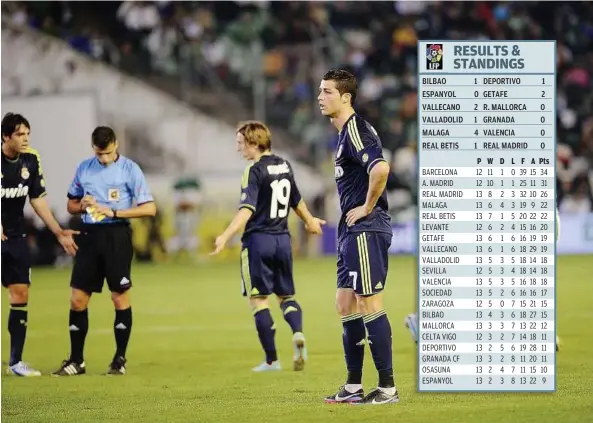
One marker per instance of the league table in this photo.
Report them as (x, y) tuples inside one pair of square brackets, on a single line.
[(486, 216)]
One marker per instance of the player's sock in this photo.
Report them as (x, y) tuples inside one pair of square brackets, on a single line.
[(122, 328), (17, 327), (78, 326), (354, 340), (379, 340), (266, 331), (293, 314)]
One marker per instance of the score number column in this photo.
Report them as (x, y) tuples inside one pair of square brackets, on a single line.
[(486, 270)]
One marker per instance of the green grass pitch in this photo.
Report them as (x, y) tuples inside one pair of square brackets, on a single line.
[(194, 342)]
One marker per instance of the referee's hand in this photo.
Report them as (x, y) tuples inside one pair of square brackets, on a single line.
[(65, 238), (87, 201)]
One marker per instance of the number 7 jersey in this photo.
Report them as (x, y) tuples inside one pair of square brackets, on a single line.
[(269, 190)]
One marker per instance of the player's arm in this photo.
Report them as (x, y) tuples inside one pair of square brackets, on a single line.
[(312, 223), (377, 181), (42, 209), (37, 199), (237, 224), (37, 195), (249, 192)]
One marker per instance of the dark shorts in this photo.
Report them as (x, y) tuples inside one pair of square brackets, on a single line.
[(266, 265), (363, 261), (104, 252), (16, 262)]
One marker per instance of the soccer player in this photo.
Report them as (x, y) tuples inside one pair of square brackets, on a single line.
[(108, 190), (268, 192), (364, 237), (22, 177)]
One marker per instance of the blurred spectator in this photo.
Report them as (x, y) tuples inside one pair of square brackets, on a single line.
[(578, 199), (139, 16)]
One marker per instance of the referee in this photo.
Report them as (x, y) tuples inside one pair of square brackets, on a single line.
[(107, 190)]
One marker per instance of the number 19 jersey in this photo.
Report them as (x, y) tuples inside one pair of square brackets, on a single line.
[(269, 190)]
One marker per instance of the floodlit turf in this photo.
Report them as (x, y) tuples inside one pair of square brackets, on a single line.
[(194, 342)]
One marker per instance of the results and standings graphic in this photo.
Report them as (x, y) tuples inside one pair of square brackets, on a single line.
[(487, 124)]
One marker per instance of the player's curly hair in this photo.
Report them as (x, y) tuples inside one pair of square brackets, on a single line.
[(345, 82), (256, 133)]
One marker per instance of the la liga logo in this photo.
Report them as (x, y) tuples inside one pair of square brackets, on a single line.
[(434, 57)]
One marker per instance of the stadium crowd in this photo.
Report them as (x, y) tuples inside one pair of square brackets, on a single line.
[(299, 40)]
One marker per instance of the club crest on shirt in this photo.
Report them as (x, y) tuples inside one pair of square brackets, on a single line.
[(25, 173), (339, 153), (365, 158), (113, 194)]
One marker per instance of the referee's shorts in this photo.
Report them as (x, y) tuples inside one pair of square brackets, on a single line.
[(104, 252)]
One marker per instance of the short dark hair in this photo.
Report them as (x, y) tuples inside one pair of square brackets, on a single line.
[(345, 82), (103, 136), (11, 121)]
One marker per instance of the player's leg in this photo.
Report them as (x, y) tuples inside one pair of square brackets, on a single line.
[(16, 277), (372, 250), (258, 281), (122, 329), (266, 331), (291, 310), (354, 332), (86, 278), (18, 295), (293, 315), (78, 326), (118, 261), (411, 322)]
